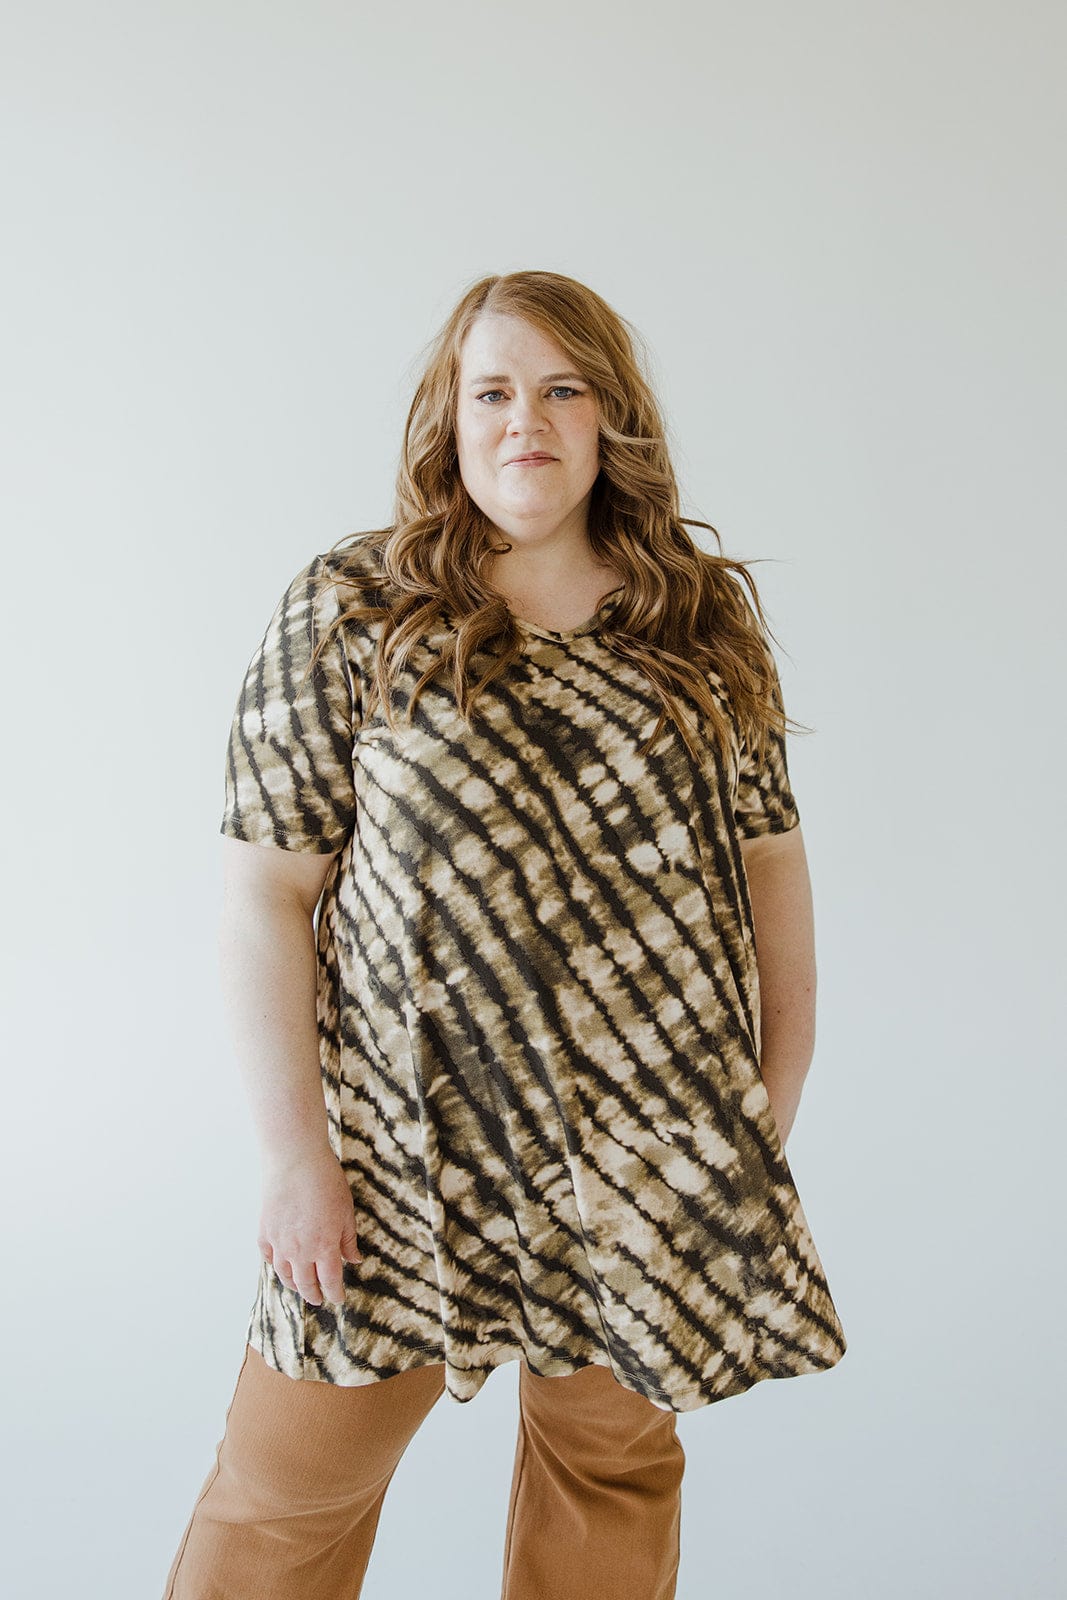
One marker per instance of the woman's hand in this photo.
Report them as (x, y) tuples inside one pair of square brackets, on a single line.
[(307, 1228)]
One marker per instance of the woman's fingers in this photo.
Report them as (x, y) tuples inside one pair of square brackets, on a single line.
[(317, 1280), (331, 1277), (306, 1281), (308, 1228)]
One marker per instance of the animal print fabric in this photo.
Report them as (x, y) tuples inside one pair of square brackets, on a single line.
[(538, 1010)]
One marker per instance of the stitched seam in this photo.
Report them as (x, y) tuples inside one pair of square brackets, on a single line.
[(211, 1479)]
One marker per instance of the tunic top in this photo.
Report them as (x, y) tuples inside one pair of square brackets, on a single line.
[(538, 1011)]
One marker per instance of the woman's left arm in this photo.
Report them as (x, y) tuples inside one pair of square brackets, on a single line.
[(783, 916)]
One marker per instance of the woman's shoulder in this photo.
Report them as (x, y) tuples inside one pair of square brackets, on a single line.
[(357, 552), (357, 558)]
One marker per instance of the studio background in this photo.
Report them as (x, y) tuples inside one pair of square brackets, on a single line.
[(230, 232)]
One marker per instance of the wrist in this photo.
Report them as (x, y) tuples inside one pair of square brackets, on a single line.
[(295, 1150)]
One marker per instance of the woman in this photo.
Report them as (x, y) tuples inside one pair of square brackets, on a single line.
[(523, 752)]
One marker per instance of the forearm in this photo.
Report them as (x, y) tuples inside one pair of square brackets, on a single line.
[(787, 1035), (268, 971), (785, 956)]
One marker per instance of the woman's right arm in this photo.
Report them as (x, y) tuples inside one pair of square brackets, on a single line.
[(268, 970)]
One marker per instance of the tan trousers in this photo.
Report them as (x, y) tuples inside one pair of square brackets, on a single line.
[(291, 1506)]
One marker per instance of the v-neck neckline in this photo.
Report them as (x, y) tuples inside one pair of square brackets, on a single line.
[(605, 607)]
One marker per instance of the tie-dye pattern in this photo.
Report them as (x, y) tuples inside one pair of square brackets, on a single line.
[(538, 1011)]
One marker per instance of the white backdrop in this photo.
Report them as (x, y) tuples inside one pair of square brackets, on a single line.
[(230, 230)]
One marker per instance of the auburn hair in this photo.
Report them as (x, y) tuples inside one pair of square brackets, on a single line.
[(682, 612)]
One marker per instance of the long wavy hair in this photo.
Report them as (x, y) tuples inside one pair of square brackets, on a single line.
[(682, 613)]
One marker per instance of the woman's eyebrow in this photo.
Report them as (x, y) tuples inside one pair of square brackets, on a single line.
[(502, 377)]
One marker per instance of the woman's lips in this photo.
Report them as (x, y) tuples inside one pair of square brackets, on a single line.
[(532, 461)]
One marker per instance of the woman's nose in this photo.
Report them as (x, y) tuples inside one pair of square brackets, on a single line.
[(524, 410)]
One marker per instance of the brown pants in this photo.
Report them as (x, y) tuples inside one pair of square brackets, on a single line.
[(290, 1508)]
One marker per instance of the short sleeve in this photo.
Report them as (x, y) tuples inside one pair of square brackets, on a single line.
[(765, 802), (289, 780)]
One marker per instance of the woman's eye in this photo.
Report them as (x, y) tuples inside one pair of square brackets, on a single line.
[(559, 388)]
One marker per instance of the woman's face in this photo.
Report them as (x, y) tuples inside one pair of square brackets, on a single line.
[(519, 395)]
